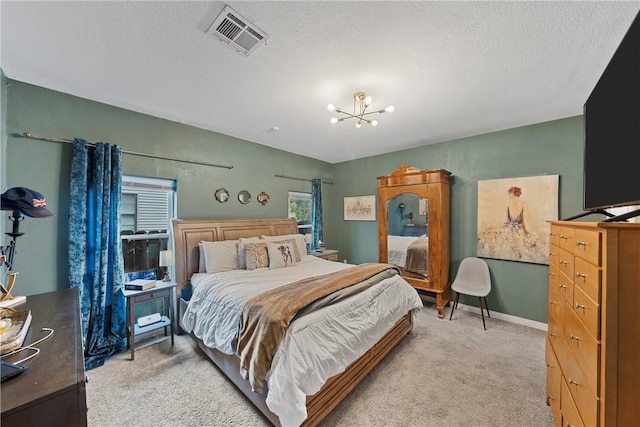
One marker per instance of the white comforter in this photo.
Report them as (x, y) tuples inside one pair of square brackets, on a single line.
[(317, 345)]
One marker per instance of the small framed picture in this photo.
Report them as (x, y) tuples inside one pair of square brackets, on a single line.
[(360, 208)]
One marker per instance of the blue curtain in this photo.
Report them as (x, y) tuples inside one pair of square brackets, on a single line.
[(316, 213), (95, 249)]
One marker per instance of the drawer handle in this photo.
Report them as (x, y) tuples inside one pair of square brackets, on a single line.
[(561, 286), (552, 273), (552, 253), (562, 236), (569, 425), (574, 337), (572, 382), (550, 366), (553, 234), (552, 334), (581, 306), (579, 275), (564, 262), (581, 244), (552, 302)]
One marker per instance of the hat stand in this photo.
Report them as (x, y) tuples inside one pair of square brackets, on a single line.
[(8, 252)]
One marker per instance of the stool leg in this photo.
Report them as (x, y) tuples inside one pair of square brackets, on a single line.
[(455, 304), (482, 313)]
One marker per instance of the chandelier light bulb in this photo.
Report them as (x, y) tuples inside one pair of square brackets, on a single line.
[(367, 100), (333, 120), (331, 107), (358, 125), (374, 123), (390, 109)]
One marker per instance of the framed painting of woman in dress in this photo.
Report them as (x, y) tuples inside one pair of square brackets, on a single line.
[(513, 215)]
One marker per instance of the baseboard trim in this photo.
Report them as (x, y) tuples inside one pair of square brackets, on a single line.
[(497, 315)]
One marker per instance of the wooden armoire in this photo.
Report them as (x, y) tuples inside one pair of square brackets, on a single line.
[(432, 189)]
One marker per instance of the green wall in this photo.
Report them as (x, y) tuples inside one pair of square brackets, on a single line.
[(42, 258), (519, 289)]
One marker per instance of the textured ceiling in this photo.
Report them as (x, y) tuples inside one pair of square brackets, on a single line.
[(452, 69)]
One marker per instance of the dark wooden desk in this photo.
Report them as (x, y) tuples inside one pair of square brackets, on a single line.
[(52, 391)]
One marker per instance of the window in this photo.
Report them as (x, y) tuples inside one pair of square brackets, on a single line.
[(147, 206), (300, 209)]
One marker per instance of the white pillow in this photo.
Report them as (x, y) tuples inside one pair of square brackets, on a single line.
[(242, 260), (299, 239), (221, 255), (202, 267), (281, 255)]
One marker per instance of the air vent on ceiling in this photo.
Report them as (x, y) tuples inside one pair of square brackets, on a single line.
[(237, 32)]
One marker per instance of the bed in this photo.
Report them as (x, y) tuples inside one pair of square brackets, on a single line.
[(285, 396), (410, 253)]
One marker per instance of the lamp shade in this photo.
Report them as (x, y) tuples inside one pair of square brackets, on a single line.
[(166, 258)]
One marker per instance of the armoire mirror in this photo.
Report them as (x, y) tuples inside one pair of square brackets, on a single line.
[(413, 228)]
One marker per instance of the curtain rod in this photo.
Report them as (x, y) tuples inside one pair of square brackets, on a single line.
[(132, 153), (300, 179)]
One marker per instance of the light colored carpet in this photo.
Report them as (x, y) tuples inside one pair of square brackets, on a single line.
[(445, 373)]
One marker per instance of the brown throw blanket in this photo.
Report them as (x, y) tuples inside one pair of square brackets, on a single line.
[(418, 256), (267, 316)]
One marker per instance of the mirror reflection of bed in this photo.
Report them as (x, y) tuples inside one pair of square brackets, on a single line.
[(407, 238)]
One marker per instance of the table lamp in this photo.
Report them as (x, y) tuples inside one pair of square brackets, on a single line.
[(166, 259)]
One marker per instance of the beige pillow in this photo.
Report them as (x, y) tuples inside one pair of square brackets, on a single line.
[(241, 253), (281, 254), (256, 255)]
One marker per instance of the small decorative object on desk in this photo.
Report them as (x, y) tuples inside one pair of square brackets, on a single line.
[(139, 285), (14, 326)]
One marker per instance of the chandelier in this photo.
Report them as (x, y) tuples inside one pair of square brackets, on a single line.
[(360, 104)]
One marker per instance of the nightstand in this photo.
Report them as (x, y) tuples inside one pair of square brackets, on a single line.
[(162, 290), (328, 254)]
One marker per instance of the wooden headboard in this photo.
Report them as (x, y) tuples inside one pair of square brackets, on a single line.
[(187, 233)]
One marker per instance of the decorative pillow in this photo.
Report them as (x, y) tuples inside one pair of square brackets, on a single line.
[(221, 255), (294, 247), (242, 263), (256, 255), (281, 254), (298, 238)]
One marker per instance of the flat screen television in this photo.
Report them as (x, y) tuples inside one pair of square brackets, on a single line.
[(612, 130)]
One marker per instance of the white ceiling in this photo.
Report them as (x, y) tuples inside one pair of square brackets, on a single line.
[(452, 69)]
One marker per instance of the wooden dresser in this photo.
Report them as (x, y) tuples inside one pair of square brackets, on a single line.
[(52, 391), (593, 339)]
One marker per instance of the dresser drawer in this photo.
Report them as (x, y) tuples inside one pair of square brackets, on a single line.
[(556, 309), (585, 349), (565, 264), (554, 254), (588, 277), (565, 239), (570, 416), (588, 245), (554, 382), (587, 311), (584, 400), (554, 235)]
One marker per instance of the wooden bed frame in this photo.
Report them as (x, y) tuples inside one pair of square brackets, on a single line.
[(188, 233)]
